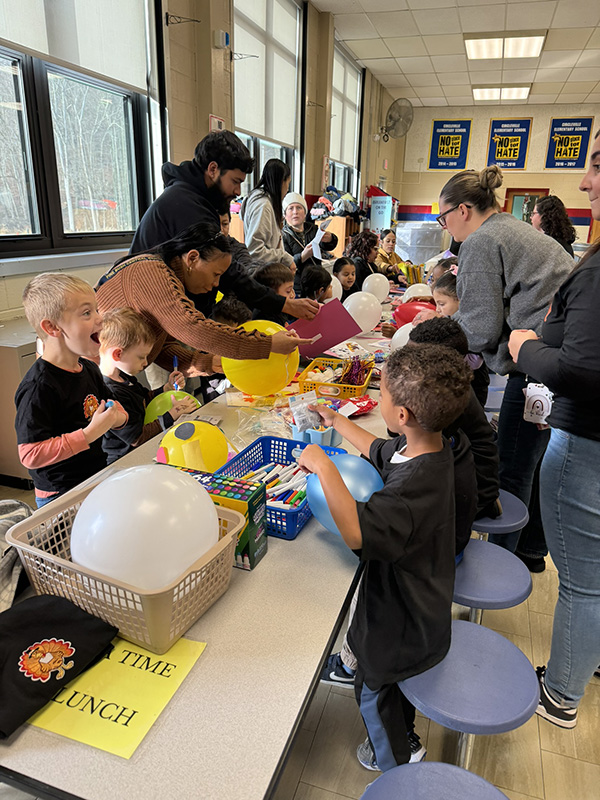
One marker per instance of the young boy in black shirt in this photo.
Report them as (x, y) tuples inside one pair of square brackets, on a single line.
[(405, 536), (62, 412), (125, 343)]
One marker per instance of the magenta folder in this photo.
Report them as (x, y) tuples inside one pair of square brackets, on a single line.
[(333, 324)]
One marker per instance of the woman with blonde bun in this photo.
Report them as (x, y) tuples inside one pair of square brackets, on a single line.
[(507, 276)]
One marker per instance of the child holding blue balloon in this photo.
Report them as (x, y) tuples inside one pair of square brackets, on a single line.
[(126, 340), (404, 535)]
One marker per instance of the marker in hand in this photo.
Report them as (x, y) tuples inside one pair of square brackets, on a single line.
[(175, 367), (109, 404)]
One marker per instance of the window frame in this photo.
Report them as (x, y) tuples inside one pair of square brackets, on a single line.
[(287, 154), (353, 174), (52, 237)]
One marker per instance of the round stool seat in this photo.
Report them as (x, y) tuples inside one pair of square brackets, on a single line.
[(431, 781), (490, 577), (514, 516), (484, 685)]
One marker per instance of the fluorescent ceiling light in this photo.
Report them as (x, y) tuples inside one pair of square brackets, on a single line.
[(484, 48), (515, 93), (491, 93), (523, 46)]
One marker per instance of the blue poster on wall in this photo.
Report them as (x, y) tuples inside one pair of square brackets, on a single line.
[(568, 142), (509, 143), (449, 147)]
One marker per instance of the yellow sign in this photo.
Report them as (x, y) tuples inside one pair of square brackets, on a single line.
[(567, 147), (449, 146), (113, 705), (507, 147)]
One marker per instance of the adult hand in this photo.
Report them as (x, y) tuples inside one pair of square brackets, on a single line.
[(286, 342), (326, 237), (217, 364), (301, 308), (516, 341), (307, 252), (428, 313)]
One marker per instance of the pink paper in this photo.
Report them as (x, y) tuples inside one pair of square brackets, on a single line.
[(334, 325)]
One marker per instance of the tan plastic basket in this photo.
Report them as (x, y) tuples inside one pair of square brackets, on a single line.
[(152, 619)]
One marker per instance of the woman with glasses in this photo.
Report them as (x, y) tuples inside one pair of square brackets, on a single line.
[(155, 285), (507, 276)]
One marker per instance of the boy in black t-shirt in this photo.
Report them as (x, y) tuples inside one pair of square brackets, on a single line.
[(405, 536), (61, 409), (125, 343)]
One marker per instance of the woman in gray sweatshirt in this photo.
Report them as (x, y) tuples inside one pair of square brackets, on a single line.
[(507, 275)]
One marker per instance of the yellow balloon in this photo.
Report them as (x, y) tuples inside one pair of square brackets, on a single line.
[(263, 375), (194, 445)]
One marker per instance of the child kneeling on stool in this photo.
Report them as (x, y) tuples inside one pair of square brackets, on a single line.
[(404, 535)]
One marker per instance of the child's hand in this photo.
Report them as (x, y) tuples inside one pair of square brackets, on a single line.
[(181, 407), (388, 329), (326, 413), (313, 458), (175, 377), (103, 420)]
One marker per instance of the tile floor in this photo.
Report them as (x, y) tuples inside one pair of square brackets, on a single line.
[(538, 761)]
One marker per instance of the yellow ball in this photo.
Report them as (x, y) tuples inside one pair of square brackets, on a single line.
[(194, 445), (263, 375)]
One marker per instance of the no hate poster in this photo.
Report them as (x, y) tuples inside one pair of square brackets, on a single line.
[(113, 705), (568, 142), (449, 147), (509, 143)]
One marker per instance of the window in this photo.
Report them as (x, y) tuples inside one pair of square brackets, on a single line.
[(345, 114), (262, 150)]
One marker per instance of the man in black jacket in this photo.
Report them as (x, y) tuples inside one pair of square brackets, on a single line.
[(199, 191)]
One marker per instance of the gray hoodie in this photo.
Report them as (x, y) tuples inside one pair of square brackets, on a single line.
[(508, 274), (262, 234)]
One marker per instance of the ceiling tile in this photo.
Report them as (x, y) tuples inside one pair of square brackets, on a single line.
[(406, 46), (566, 39), (560, 58), (381, 66), (589, 58), (427, 91), (514, 76), (431, 21), (369, 48), (594, 40), (337, 6), (521, 63), (479, 2), (483, 64), (394, 23), (449, 63), (406, 91), (578, 87), (446, 45), (513, 102), (383, 5), (477, 19), (592, 98), (394, 81), (584, 74), (546, 88), (530, 16), (416, 102), (571, 98), (457, 91), (552, 75), (455, 79), (417, 64), (463, 100), (434, 101), (486, 102), (535, 99), (423, 79), (431, 3), (489, 76), (576, 14), (354, 26)]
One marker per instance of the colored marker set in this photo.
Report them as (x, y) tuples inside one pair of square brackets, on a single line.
[(285, 484)]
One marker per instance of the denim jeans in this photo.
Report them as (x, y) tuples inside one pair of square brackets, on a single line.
[(570, 500), (43, 501), (520, 447)]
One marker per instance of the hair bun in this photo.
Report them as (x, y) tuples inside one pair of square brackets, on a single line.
[(490, 177)]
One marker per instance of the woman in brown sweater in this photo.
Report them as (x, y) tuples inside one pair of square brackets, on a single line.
[(154, 284)]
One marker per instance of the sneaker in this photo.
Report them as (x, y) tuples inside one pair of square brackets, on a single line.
[(417, 751), (366, 756), (335, 673), (551, 710), (533, 563), (597, 673)]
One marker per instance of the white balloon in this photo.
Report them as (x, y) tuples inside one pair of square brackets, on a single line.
[(377, 285), (365, 308), (400, 338), (336, 289), (417, 290), (144, 526)]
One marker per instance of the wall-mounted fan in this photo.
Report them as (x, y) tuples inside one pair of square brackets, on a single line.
[(398, 119)]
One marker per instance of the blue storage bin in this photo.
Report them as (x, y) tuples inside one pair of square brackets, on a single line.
[(327, 438), (267, 449)]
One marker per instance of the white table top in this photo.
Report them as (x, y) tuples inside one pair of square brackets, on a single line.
[(226, 732)]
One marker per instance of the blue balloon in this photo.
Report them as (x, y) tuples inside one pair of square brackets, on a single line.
[(360, 477)]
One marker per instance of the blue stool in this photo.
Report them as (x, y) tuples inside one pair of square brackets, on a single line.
[(484, 685), (490, 577), (514, 517), (431, 781)]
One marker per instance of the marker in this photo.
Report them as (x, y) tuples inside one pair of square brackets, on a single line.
[(109, 404), (175, 367)]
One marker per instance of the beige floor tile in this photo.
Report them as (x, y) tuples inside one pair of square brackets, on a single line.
[(24, 495), (545, 592), (306, 792), (294, 766), (541, 637), (568, 779), (583, 742), (522, 642), (508, 620), (511, 760), (442, 744), (332, 763), (313, 715), (515, 795)]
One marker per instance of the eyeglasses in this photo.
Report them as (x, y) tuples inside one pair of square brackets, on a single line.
[(441, 220)]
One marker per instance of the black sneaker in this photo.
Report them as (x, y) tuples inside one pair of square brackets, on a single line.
[(335, 672), (417, 751), (551, 710)]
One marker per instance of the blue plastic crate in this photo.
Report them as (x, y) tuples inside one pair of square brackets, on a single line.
[(267, 449)]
